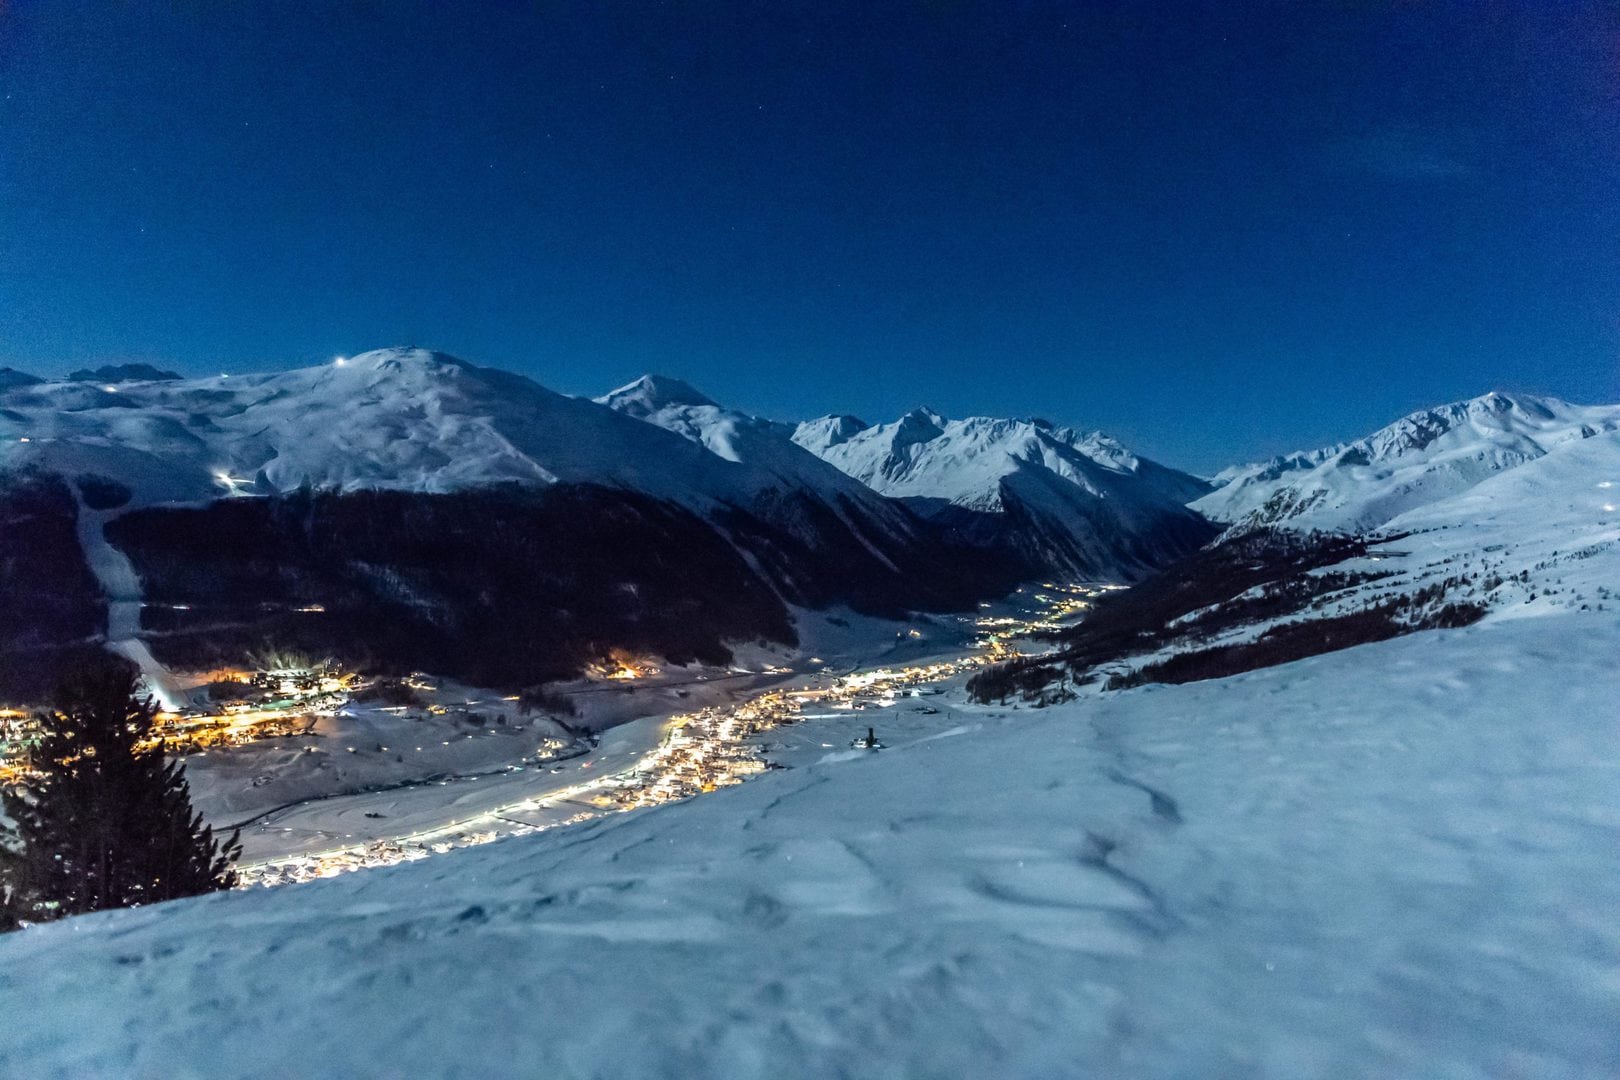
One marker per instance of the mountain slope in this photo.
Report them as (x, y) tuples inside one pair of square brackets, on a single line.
[(1541, 538), (252, 508), (1261, 876), (395, 419), (1420, 459), (1071, 502), (763, 445), (839, 527)]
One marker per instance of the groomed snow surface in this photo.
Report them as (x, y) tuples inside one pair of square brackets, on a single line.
[(1398, 860)]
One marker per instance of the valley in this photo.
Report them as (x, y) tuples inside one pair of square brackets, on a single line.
[(709, 687), (622, 765), (828, 541)]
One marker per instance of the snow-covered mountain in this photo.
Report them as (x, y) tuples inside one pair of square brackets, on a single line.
[(407, 495), (925, 455), (1073, 501), (764, 445), (392, 419), (1420, 459)]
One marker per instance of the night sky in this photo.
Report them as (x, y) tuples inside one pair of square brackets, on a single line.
[(1216, 233)]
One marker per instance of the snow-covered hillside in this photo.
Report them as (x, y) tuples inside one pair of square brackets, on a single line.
[(399, 419), (1420, 459), (1397, 859), (1400, 860), (1080, 502), (1539, 539), (428, 509)]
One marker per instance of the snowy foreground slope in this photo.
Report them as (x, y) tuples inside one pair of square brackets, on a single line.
[(1398, 860)]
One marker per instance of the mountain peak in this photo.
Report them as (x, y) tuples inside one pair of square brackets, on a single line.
[(828, 431), (400, 358), (117, 373), (650, 393), (1424, 456), (10, 378), (925, 414), (920, 425)]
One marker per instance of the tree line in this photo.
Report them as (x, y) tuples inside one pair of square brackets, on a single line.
[(104, 820)]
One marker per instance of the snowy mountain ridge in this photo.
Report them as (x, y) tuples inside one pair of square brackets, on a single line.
[(1420, 459), (765, 445), (652, 393), (925, 455), (393, 419), (1077, 500)]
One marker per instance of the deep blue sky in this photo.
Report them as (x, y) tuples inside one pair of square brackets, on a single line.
[(1214, 232)]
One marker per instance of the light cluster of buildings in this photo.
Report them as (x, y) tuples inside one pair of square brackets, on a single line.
[(281, 702), (1059, 605), (705, 750), (715, 747)]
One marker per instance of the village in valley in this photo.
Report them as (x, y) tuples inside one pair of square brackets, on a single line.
[(552, 765)]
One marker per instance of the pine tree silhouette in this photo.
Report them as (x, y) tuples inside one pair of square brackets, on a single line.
[(109, 822)]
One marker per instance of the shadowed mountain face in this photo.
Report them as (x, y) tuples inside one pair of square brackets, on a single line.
[(406, 510), (501, 587), (52, 612), (122, 373)]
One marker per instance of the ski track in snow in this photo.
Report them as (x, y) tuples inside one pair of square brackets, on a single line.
[(122, 586)]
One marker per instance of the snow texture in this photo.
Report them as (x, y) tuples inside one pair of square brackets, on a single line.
[(1397, 860), (403, 419), (965, 462)]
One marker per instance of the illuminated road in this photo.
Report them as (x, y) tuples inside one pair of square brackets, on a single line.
[(408, 813)]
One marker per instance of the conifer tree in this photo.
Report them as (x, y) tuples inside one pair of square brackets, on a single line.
[(107, 822)]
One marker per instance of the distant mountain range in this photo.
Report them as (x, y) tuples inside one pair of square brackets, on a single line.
[(407, 509), (1080, 504), (1422, 458)]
